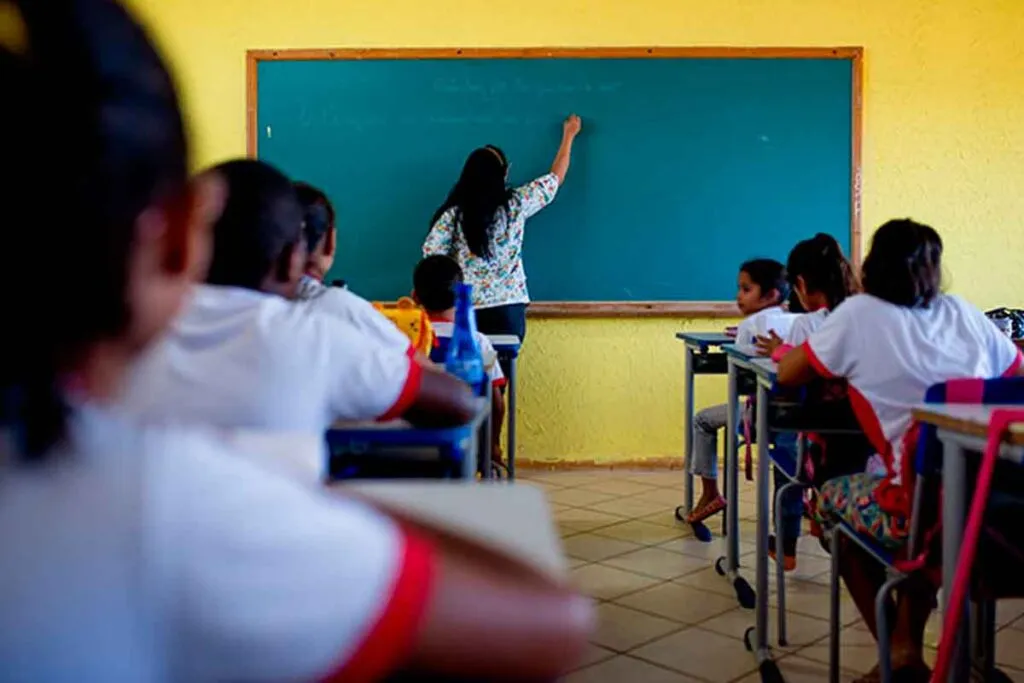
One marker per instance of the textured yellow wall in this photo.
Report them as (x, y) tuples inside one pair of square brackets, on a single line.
[(943, 142)]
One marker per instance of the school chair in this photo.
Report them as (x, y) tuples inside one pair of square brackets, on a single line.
[(927, 469)]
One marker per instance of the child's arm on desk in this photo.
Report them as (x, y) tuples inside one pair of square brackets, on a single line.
[(487, 623)]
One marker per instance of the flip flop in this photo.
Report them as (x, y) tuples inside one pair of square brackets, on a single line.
[(702, 513)]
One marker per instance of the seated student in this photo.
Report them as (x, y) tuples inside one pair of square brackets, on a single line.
[(321, 237), (890, 344), (821, 278), (142, 553), (242, 355), (761, 291), (434, 283)]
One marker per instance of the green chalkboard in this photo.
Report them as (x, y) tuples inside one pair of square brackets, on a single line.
[(686, 166)]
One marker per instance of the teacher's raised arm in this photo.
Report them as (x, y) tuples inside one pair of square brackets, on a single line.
[(481, 224)]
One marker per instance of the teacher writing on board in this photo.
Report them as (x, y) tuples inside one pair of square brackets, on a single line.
[(481, 226)]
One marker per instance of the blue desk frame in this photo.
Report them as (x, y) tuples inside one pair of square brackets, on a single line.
[(460, 444)]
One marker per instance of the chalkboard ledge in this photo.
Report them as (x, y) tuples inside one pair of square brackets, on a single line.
[(633, 309)]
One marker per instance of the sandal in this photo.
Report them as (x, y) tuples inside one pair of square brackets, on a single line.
[(705, 511)]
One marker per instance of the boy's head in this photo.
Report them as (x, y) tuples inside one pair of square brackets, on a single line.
[(434, 283), (318, 229), (762, 284), (258, 241), (904, 266)]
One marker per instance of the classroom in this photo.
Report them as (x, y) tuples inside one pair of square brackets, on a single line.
[(791, 124)]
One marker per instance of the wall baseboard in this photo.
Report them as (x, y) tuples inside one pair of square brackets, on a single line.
[(664, 463)]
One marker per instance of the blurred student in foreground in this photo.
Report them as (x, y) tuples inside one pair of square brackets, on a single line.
[(140, 553), (243, 354)]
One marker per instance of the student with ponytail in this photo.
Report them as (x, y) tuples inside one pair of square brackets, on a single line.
[(821, 278), (148, 553)]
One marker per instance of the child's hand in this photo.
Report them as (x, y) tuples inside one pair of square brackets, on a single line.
[(766, 345)]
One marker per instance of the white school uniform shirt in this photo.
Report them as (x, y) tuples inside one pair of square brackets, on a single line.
[(890, 355), (238, 358), (443, 330), (354, 310), (153, 555), (804, 324), (760, 323)]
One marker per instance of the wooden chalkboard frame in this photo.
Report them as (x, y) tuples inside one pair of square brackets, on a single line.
[(599, 309)]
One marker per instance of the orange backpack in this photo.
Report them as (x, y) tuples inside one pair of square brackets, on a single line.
[(412, 321)]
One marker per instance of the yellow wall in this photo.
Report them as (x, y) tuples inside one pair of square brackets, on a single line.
[(943, 142)]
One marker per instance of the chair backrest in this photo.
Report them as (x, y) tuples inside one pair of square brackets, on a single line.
[(971, 391)]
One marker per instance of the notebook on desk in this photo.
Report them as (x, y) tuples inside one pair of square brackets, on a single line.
[(513, 523)]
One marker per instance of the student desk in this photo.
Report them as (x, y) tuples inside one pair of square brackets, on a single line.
[(962, 429), (699, 360), (460, 444), (775, 414), (507, 346)]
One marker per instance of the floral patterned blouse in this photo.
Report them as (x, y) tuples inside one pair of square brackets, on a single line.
[(500, 280)]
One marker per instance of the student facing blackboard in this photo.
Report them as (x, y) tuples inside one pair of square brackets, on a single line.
[(481, 226)]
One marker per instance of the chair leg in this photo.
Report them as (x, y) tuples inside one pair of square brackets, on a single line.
[(983, 636), (725, 487), (882, 602), (833, 610)]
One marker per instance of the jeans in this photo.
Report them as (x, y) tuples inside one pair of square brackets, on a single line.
[(785, 451), (704, 458), (508, 319)]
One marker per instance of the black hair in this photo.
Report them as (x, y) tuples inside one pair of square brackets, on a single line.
[(260, 226), (95, 135), (477, 196), (434, 282), (768, 274), (794, 305), (824, 268), (317, 214), (904, 266)]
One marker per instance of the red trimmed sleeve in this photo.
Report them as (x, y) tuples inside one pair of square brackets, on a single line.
[(410, 352), (1015, 365), (389, 642), (815, 362), (500, 382), (408, 394)]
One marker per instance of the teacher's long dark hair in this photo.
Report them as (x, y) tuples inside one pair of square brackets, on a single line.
[(477, 196)]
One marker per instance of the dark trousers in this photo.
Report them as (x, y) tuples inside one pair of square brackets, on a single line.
[(508, 319)]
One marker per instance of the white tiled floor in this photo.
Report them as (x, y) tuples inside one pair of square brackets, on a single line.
[(667, 617)]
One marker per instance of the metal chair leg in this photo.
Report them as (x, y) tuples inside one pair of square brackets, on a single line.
[(882, 602), (833, 610)]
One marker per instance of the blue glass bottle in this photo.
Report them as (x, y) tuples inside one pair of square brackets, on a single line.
[(464, 359)]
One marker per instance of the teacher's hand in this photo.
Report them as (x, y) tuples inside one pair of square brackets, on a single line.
[(572, 126)]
